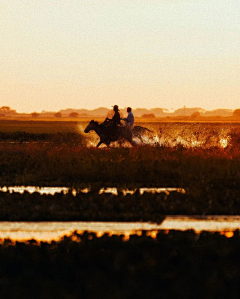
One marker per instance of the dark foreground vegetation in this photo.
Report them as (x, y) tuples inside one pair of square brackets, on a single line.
[(109, 207), (82, 207), (174, 265)]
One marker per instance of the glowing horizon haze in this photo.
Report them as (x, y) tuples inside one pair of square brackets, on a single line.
[(58, 54)]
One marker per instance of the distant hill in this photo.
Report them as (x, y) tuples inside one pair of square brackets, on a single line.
[(102, 112), (138, 112), (187, 111), (218, 112), (158, 112)]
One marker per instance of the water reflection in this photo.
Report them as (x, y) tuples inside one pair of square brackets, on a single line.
[(65, 190), (47, 231), (32, 189)]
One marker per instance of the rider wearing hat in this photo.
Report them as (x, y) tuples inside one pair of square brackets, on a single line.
[(116, 117), (113, 123)]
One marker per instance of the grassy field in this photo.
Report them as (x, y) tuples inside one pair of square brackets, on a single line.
[(41, 164), (38, 126), (203, 159)]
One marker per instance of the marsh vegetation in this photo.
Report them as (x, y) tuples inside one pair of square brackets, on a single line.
[(45, 155), (201, 158)]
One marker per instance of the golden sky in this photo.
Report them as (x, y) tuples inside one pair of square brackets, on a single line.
[(57, 54)]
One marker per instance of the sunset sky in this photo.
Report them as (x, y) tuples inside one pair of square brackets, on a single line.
[(58, 54)]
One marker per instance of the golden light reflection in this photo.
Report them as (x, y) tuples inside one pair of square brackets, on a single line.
[(75, 238), (224, 142), (99, 234), (196, 143), (151, 140), (152, 234), (228, 234), (48, 231), (65, 190), (126, 236)]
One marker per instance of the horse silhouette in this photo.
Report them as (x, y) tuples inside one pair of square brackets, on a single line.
[(109, 133)]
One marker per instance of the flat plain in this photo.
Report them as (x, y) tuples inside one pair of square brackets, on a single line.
[(202, 159)]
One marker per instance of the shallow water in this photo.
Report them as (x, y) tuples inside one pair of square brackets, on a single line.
[(47, 231), (53, 190), (31, 189), (186, 134)]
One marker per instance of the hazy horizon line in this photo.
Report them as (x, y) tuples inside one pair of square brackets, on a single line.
[(164, 110)]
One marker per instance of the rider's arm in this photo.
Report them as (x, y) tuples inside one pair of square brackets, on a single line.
[(127, 119)]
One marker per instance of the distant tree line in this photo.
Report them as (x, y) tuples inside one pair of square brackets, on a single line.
[(5, 110), (148, 115), (192, 113)]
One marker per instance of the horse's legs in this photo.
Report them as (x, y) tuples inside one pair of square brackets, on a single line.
[(130, 140), (128, 136), (133, 143), (105, 142)]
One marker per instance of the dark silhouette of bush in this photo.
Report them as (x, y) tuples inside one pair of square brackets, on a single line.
[(148, 115), (195, 115), (35, 114), (58, 115), (74, 114), (236, 113), (6, 110)]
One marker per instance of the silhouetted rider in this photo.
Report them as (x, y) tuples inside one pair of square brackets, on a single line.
[(116, 117), (115, 121), (129, 120)]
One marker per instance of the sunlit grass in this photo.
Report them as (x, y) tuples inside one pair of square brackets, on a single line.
[(190, 156)]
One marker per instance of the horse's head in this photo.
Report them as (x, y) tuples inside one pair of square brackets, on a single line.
[(91, 126)]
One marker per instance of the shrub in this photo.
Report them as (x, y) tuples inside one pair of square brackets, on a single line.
[(236, 113)]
